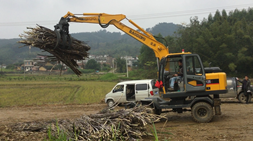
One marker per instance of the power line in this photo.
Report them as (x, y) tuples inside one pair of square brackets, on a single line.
[(194, 10), (172, 15), (137, 17)]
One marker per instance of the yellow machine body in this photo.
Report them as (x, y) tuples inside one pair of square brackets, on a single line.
[(216, 81)]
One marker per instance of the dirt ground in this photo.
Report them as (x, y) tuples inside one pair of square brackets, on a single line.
[(235, 123)]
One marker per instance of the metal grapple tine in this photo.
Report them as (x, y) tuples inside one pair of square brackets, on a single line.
[(64, 40), (70, 42), (62, 34), (58, 35)]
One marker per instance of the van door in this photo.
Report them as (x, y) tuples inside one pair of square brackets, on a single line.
[(118, 93), (141, 91)]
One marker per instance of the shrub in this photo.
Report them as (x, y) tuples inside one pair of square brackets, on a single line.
[(109, 77)]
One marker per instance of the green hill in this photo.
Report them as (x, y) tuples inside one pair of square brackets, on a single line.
[(12, 52), (101, 42)]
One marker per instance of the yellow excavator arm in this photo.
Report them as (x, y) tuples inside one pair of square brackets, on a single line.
[(104, 20)]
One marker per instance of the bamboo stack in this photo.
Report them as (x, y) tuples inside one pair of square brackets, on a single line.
[(45, 39), (124, 124)]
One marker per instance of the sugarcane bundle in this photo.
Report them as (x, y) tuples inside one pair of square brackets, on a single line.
[(124, 124), (46, 39)]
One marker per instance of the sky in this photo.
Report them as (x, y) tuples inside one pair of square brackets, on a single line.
[(17, 15)]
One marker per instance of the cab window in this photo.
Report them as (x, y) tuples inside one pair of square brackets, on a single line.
[(118, 88), (193, 66), (172, 65)]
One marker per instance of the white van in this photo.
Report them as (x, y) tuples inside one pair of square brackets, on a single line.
[(129, 91)]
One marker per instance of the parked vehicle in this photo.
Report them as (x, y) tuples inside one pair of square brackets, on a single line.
[(131, 91), (234, 91)]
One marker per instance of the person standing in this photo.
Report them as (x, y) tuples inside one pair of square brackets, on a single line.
[(245, 87)]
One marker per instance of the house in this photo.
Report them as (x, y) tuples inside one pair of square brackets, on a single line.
[(129, 60), (19, 68), (81, 65), (42, 68), (3, 66), (109, 60), (35, 68), (49, 64), (28, 65), (102, 59)]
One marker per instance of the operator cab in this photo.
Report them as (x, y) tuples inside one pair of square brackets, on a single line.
[(181, 73)]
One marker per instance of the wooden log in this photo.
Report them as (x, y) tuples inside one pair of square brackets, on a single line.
[(45, 39)]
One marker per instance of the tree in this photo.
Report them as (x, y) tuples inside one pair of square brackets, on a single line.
[(105, 67), (146, 55), (121, 65), (147, 58), (225, 40), (92, 64)]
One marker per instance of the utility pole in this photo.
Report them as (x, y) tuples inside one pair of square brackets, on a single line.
[(126, 67), (113, 65), (24, 69)]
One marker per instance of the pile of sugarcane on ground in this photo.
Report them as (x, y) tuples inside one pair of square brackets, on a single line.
[(46, 39), (124, 124)]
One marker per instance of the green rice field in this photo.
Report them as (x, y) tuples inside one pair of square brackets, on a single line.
[(20, 93)]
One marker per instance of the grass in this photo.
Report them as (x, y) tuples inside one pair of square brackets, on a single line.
[(19, 93), (30, 89), (43, 77), (109, 77), (155, 132), (65, 77), (6, 70), (59, 136)]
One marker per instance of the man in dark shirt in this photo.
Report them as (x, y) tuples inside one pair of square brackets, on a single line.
[(245, 87)]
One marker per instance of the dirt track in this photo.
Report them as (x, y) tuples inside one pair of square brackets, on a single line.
[(235, 123), (46, 112)]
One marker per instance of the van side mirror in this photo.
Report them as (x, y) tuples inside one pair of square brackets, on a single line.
[(113, 91)]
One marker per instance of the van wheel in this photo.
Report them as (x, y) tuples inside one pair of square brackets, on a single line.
[(110, 103), (242, 98), (202, 112)]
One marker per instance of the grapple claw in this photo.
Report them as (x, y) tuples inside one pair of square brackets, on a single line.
[(62, 33)]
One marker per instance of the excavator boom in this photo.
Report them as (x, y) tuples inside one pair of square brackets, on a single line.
[(104, 20)]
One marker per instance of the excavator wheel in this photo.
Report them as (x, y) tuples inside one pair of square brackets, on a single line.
[(157, 111), (202, 112)]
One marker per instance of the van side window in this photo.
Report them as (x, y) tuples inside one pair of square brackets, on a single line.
[(141, 87), (118, 88)]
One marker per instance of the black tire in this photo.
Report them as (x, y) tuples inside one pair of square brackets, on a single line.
[(250, 97), (242, 98), (158, 111), (110, 103), (202, 112)]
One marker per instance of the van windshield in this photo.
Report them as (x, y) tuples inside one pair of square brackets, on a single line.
[(118, 88)]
